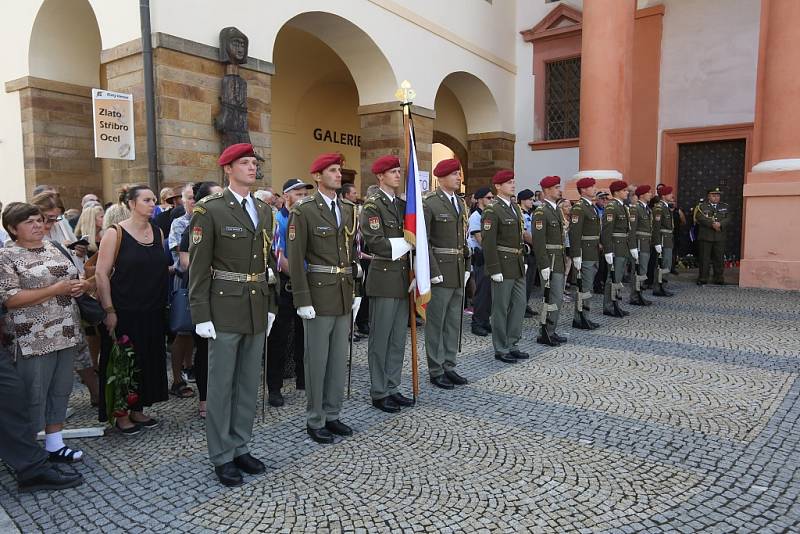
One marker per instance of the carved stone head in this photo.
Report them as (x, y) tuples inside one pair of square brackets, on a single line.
[(232, 46)]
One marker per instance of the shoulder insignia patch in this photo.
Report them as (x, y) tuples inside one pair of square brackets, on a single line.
[(374, 223), (487, 224), (197, 234), (658, 217), (292, 232), (575, 218), (609, 216), (199, 209), (539, 224)]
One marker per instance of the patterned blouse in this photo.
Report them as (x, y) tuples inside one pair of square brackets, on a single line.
[(51, 325)]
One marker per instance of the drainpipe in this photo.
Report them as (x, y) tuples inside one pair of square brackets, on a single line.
[(149, 96)]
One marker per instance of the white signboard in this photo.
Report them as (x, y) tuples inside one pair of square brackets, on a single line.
[(425, 180), (113, 125)]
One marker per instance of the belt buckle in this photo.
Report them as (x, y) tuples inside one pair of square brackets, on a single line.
[(250, 278)]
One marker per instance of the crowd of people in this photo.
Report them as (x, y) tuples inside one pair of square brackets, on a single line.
[(296, 276)]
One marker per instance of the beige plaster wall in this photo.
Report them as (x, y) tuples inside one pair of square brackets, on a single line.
[(449, 117)]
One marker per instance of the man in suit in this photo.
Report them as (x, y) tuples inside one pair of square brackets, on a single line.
[(446, 223), (323, 266), (232, 299), (387, 285)]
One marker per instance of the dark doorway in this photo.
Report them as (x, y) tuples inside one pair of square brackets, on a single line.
[(702, 166)]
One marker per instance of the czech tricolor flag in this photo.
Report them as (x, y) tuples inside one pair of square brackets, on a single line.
[(414, 226)]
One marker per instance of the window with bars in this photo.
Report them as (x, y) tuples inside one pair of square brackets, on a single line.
[(562, 99)]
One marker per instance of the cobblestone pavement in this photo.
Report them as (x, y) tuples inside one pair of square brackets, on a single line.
[(682, 417)]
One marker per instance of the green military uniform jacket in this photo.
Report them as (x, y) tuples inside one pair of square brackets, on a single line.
[(614, 235), (705, 214), (501, 228), (548, 238), (315, 239), (584, 231), (663, 225), (224, 239), (643, 225), (381, 219), (449, 256)]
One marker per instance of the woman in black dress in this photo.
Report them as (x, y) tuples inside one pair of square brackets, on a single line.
[(134, 298)]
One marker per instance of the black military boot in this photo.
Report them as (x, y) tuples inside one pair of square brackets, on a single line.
[(659, 291), (581, 322)]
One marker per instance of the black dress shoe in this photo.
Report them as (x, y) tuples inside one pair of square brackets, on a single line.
[(505, 358), (275, 399), (442, 382), (338, 428), (229, 475), (386, 404), (363, 330), (479, 331), (250, 465), (50, 479), (609, 313), (519, 355), (719, 283), (320, 435), (560, 339), (456, 378), (550, 342), (593, 324), (701, 283), (402, 400)]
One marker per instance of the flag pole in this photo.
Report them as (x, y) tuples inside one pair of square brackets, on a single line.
[(405, 104)]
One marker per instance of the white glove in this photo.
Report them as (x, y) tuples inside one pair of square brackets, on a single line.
[(497, 277), (437, 279), (635, 253), (206, 330), (356, 306), (270, 321), (546, 274), (577, 262), (306, 312), (525, 271), (609, 258), (359, 271), (659, 248), (466, 277), (413, 285), (271, 276)]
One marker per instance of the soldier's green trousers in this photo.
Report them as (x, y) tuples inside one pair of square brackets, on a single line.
[(712, 255), (325, 361), (388, 324), (508, 311), (641, 269), (557, 283), (234, 375), (619, 270), (588, 272), (442, 322)]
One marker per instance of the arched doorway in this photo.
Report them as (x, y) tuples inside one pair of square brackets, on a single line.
[(324, 67), (64, 64)]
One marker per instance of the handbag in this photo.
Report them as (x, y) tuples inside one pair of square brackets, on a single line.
[(91, 311), (180, 316)]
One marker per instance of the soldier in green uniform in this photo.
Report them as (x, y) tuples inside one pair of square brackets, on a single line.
[(663, 238), (233, 302), (446, 223), (502, 227), (322, 259), (642, 231), (712, 218), (387, 285), (617, 246), (584, 240), (548, 249)]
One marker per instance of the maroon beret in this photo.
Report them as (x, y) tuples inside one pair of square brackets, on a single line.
[(445, 167), (549, 181), (665, 190), (619, 185), (642, 190), (659, 187), (583, 183), (385, 163), (502, 176), (324, 161), (234, 152)]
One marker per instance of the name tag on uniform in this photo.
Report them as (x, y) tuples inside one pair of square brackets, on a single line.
[(324, 228), (234, 229)]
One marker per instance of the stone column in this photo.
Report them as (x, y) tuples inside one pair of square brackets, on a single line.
[(382, 133), (771, 245), (488, 152), (606, 89)]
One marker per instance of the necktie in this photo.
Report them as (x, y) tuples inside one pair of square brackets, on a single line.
[(333, 210), (244, 207), (453, 200)]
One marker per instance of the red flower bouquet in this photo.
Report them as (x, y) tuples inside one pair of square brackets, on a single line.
[(120, 378)]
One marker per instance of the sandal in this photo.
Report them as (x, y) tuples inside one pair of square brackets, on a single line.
[(181, 390), (65, 455)]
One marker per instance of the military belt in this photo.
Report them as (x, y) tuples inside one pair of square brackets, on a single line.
[(509, 249), (665, 231), (554, 247), (643, 234), (451, 251), (617, 234), (238, 277), (381, 258), (590, 237), (329, 269)]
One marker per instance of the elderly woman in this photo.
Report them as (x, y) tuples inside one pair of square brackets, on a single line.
[(38, 286)]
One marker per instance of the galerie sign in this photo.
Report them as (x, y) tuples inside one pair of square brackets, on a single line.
[(341, 138), (113, 125)]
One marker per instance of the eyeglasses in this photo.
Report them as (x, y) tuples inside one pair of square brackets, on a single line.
[(52, 220)]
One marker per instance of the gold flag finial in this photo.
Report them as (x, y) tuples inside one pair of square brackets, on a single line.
[(405, 93)]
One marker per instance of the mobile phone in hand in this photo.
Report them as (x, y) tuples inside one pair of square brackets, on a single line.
[(82, 241)]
